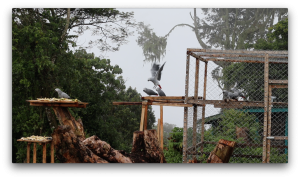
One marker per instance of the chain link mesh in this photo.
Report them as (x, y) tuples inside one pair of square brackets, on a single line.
[(240, 120)]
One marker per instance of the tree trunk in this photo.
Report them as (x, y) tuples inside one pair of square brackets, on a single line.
[(105, 151), (65, 118), (70, 149)]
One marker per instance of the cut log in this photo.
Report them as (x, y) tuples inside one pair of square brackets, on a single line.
[(105, 151), (222, 152), (69, 149), (145, 148)]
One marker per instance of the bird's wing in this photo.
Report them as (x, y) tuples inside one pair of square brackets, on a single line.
[(151, 92), (158, 74), (154, 69)]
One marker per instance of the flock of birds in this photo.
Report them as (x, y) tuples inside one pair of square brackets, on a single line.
[(156, 71)]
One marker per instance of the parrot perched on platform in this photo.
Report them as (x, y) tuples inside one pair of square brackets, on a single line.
[(233, 95), (160, 92), (156, 74), (62, 94), (149, 92)]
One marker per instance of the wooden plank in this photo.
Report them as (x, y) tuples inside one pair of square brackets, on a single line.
[(280, 137), (161, 127), (238, 56), (269, 124), (77, 105), (203, 108), (158, 130), (28, 152), (266, 108), (187, 78), (184, 157), (127, 103), (222, 102), (279, 86), (278, 81), (237, 51), (34, 141), (142, 118), (44, 152), (165, 97), (172, 104), (34, 153), (197, 56), (243, 61), (146, 113), (52, 152)]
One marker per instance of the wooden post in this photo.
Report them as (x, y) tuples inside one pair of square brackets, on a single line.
[(158, 131), (203, 108), (145, 121), (28, 152), (44, 152), (142, 118), (269, 124), (52, 152), (185, 117), (34, 153), (266, 104), (161, 130), (195, 107)]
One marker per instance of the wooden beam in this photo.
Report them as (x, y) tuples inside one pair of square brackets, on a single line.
[(127, 103), (278, 81), (266, 107), (238, 56), (28, 152), (280, 137), (162, 97), (237, 51), (203, 108), (279, 86), (146, 113), (184, 148), (52, 152), (142, 118), (158, 130), (243, 61), (57, 103), (172, 104), (269, 124), (44, 152), (195, 107), (161, 127), (34, 153)]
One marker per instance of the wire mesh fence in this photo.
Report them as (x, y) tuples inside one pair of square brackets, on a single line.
[(233, 105)]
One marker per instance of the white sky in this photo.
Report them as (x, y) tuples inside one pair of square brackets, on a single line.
[(136, 72)]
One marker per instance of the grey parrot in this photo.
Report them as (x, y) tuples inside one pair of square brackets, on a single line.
[(160, 92), (156, 74), (62, 94), (149, 92), (233, 95)]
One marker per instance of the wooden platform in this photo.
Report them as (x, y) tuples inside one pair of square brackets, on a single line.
[(58, 103)]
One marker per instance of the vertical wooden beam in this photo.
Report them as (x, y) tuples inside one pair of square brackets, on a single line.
[(158, 131), (52, 152), (266, 91), (161, 128), (142, 118), (145, 121), (44, 152), (203, 107), (28, 152), (34, 153), (185, 118), (195, 106), (269, 124)]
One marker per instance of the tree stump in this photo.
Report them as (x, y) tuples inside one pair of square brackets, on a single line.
[(222, 152), (69, 149), (105, 151), (145, 148)]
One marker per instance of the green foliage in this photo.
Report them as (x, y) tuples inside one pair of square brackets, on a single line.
[(173, 154)]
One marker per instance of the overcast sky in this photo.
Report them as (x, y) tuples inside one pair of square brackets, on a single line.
[(136, 72)]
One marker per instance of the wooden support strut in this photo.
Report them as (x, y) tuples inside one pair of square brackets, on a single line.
[(161, 130), (195, 107), (266, 108), (184, 157), (203, 108)]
